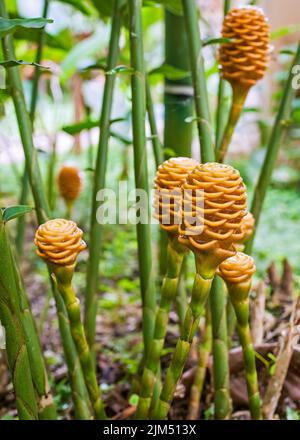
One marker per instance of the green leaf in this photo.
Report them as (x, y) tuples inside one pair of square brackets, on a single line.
[(74, 129), (169, 72), (122, 69), (220, 40), (12, 212), (10, 25), (88, 124), (287, 52), (12, 63), (100, 65), (174, 6), (80, 5), (284, 31)]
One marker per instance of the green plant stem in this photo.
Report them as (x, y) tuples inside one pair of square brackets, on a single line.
[(95, 236), (169, 288), (148, 288), (178, 106), (199, 81), (181, 295), (200, 372), (17, 354), (34, 95), (200, 292), (46, 407), (25, 125), (63, 276), (222, 398), (272, 151), (80, 397), (157, 146), (69, 209), (239, 95), (239, 296), (231, 322), (51, 184), (221, 113), (178, 99), (42, 212)]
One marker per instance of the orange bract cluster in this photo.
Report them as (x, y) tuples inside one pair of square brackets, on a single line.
[(167, 200), (244, 60), (59, 242), (237, 269), (69, 182), (214, 205)]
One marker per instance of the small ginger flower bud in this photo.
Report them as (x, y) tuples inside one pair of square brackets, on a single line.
[(69, 182), (59, 242)]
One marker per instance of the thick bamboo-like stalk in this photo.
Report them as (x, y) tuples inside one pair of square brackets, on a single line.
[(148, 289), (200, 292), (157, 146), (10, 316), (222, 398), (205, 347), (63, 276), (33, 102), (95, 234), (178, 105), (221, 113), (237, 273), (231, 322), (59, 242), (25, 127), (178, 99), (175, 255), (272, 151), (199, 81)]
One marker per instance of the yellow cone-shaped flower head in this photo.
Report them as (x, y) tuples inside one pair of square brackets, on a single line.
[(244, 60), (59, 242), (237, 269), (69, 182), (167, 200), (214, 205)]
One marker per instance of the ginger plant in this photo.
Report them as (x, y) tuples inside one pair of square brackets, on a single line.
[(214, 203), (237, 273), (59, 242)]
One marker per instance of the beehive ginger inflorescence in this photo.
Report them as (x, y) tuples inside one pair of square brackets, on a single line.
[(214, 205), (244, 59)]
